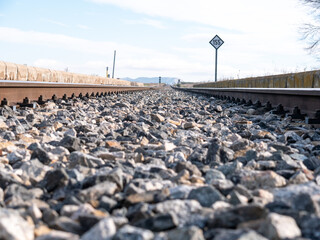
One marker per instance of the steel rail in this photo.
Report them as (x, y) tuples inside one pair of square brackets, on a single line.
[(13, 93), (301, 101)]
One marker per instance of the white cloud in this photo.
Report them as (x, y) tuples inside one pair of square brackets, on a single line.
[(146, 21), (191, 64), (131, 61), (197, 37), (49, 63), (245, 15), (260, 36)]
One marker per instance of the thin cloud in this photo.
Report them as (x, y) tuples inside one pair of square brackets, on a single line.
[(246, 15), (131, 60), (56, 22), (147, 22), (197, 37), (49, 63), (85, 27)]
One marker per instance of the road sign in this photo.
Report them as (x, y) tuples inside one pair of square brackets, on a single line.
[(216, 42)]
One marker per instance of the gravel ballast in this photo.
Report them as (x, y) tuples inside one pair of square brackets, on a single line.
[(159, 164)]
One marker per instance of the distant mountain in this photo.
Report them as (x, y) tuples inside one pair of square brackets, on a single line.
[(167, 80)]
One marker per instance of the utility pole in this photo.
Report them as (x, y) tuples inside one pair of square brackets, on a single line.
[(114, 62)]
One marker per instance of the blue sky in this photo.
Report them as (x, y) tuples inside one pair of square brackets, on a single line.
[(168, 38)]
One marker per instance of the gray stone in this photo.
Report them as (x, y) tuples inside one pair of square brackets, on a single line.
[(191, 168), (49, 216), (180, 192), (213, 155), (55, 179), (121, 105), (58, 235), (206, 195), (35, 213), (284, 161), (232, 217), (278, 226), (42, 155), (237, 198), (70, 132), (16, 156), (34, 169), (98, 190), (103, 230), (300, 197), (68, 225), (213, 175), (230, 168), (310, 227), (281, 146), (1, 195), (71, 143), (159, 222), (239, 144), (292, 137), (157, 117), (263, 179), (312, 163), (239, 234), (17, 195), (107, 203), (78, 158), (128, 232), (218, 108), (183, 209), (190, 233)]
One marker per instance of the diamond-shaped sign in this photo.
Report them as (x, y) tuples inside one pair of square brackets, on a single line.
[(216, 42)]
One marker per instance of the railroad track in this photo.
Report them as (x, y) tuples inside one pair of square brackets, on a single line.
[(300, 103), (25, 93)]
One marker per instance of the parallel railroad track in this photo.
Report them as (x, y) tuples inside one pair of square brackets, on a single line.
[(299, 103), (24, 93)]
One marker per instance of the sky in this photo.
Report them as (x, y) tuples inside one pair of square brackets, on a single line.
[(168, 38)]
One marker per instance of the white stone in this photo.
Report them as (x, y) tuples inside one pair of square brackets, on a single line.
[(131, 232), (14, 227), (168, 146)]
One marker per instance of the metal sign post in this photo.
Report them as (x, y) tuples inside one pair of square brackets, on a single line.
[(114, 62), (216, 42)]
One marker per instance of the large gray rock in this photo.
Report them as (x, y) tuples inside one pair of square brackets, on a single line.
[(13, 226), (58, 235), (206, 195), (95, 192), (263, 179), (78, 158), (128, 232), (190, 233), (161, 222), (278, 226), (232, 217), (238, 234), (103, 230), (71, 143)]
